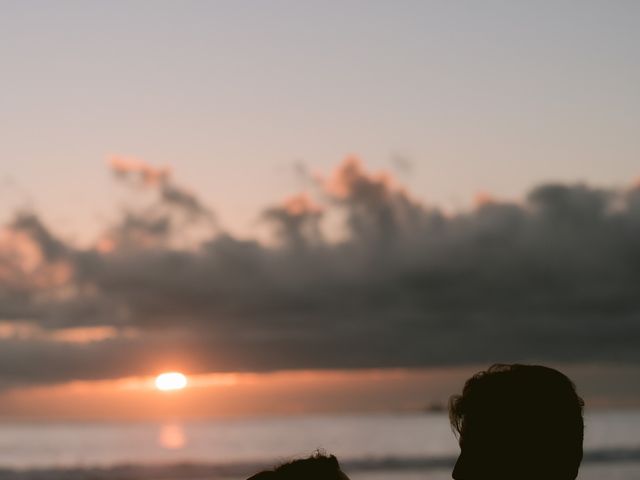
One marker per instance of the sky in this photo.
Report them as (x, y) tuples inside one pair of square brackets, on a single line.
[(249, 188), (491, 97)]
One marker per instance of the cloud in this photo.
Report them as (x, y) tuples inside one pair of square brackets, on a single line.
[(140, 174), (402, 164), (553, 277), (137, 170), (296, 220)]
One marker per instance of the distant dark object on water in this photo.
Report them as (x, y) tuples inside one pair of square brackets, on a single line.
[(435, 407)]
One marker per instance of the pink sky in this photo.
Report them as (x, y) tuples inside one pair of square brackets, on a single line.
[(359, 191)]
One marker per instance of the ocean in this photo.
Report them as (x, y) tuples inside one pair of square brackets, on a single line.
[(369, 447)]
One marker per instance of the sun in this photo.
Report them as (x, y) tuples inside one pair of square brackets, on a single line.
[(171, 381)]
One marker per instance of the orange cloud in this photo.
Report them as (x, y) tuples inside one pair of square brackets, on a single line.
[(25, 330), (483, 198), (87, 334), (23, 264), (301, 204), (147, 174), (351, 174)]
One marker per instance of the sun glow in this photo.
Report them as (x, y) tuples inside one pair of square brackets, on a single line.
[(171, 381)]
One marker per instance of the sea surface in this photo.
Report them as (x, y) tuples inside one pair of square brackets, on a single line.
[(369, 447)]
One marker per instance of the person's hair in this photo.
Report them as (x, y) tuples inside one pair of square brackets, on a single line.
[(529, 409), (316, 467)]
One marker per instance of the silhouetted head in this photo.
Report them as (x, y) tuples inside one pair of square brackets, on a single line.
[(316, 467), (518, 422)]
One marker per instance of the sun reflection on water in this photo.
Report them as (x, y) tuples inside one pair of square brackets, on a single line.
[(172, 436)]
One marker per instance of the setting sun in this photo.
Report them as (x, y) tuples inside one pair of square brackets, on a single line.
[(171, 381)]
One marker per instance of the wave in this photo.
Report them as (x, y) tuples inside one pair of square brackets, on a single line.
[(201, 471)]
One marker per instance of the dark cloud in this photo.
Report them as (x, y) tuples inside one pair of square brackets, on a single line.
[(296, 221), (50, 247), (553, 278), (139, 174)]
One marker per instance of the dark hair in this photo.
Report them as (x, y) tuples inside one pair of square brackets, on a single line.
[(317, 467), (531, 410)]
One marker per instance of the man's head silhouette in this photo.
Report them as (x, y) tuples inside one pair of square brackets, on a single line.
[(518, 421)]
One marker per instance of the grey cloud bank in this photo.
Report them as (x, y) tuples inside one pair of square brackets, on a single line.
[(554, 278)]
